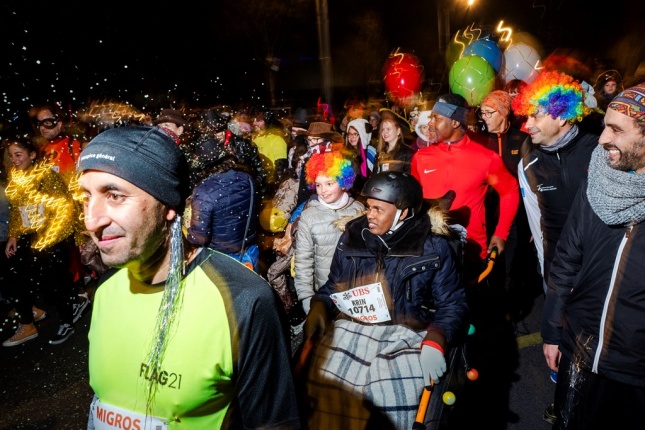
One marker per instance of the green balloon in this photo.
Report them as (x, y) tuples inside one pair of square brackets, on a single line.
[(472, 77)]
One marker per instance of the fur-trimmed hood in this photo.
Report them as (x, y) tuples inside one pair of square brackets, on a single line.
[(438, 221)]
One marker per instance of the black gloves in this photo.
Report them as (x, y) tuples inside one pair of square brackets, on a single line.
[(317, 320)]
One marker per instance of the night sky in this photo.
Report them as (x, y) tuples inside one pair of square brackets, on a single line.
[(154, 54)]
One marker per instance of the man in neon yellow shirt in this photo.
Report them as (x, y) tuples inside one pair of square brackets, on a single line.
[(181, 338)]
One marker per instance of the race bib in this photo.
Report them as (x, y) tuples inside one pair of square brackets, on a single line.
[(108, 417), (32, 215), (365, 303)]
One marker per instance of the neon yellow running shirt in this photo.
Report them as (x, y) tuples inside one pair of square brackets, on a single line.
[(228, 348)]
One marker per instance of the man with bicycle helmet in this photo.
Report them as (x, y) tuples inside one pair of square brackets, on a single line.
[(393, 275)]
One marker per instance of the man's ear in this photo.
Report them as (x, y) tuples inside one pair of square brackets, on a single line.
[(171, 214), (404, 214)]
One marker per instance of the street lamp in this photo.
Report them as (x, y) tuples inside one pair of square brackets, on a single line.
[(443, 21), (324, 48)]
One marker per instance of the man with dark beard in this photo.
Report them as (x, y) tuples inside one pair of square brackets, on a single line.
[(593, 324)]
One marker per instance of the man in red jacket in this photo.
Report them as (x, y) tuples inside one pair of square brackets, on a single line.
[(460, 164)]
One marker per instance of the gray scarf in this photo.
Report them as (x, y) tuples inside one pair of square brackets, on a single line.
[(617, 197), (563, 140)]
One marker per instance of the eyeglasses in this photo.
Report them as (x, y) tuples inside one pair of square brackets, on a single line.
[(486, 114), (48, 123), (315, 140), (352, 134)]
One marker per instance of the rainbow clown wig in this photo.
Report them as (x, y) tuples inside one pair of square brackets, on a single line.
[(336, 164), (553, 93)]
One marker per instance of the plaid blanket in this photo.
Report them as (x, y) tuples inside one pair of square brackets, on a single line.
[(365, 377)]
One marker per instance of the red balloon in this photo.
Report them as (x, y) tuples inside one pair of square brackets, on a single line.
[(403, 77)]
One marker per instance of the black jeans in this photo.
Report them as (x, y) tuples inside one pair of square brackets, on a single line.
[(4, 269), (588, 401), (44, 272)]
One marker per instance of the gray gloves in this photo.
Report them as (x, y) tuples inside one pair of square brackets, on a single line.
[(317, 320), (433, 364)]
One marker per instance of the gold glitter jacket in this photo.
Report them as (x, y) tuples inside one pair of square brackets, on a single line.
[(41, 205)]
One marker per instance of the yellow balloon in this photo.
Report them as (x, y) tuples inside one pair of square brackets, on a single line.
[(453, 53), (449, 398), (273, 219)]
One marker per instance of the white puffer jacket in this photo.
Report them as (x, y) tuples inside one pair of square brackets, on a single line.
[(316, 241)]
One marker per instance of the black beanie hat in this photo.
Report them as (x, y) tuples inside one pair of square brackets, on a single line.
[(144, 156)]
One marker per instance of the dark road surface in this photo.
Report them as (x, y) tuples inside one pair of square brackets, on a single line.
[(44, 386)]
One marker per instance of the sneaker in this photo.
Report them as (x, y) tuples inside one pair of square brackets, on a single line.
[(78, 308), (23, 334), (553, 376), (549, 414), (39, 314), (64, 332)]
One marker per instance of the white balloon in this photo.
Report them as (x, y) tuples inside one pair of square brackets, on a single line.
[(521, 61)]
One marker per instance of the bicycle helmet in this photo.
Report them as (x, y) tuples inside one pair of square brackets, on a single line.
[(399, 188)]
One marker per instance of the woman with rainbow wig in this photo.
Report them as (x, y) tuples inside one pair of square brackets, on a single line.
[(332, 174)]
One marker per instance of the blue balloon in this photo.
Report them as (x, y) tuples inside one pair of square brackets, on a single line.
[(488, 50)]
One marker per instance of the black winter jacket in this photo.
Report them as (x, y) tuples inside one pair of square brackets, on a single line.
[(555, 178), (595, 303), (399, 160), (419, 271), (513, 144)]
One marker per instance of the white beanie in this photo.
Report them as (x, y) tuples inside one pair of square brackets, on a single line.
[(424, 119)]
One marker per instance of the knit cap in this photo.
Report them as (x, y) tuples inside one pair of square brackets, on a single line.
[(498, 100), (144, 156), (631, 102), (171, 115)]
